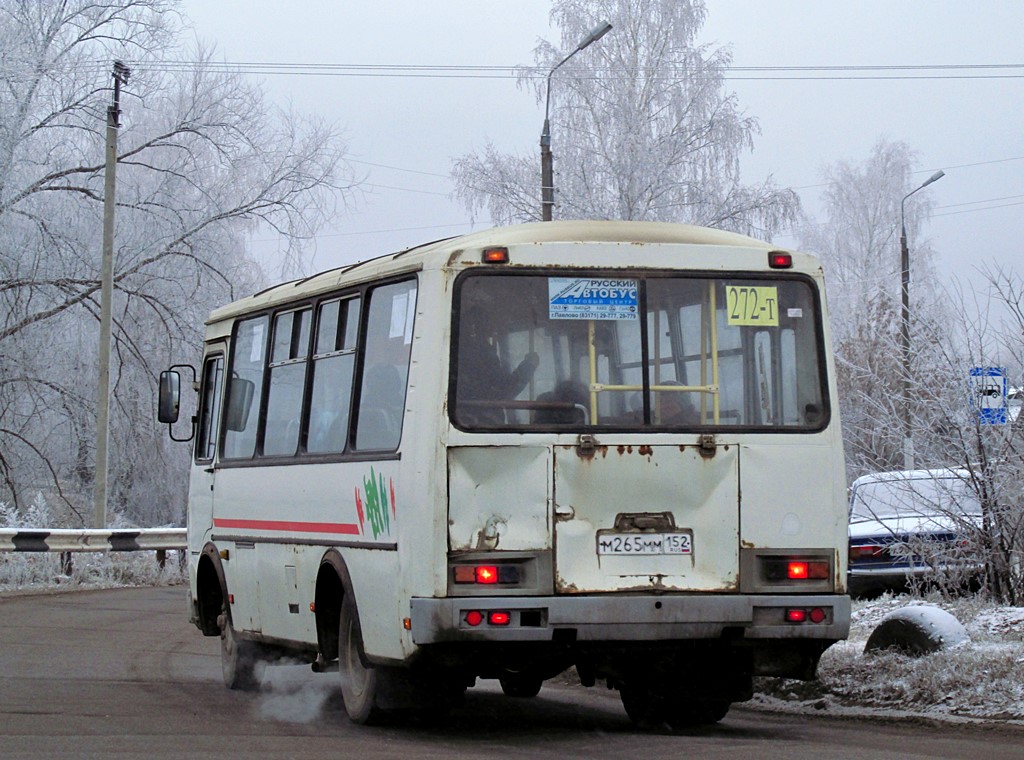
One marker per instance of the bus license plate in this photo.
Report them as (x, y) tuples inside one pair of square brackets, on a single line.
[(644, 543)]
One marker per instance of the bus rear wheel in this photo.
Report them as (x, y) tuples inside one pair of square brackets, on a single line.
[(522, 685), (688, 713), (645, 707), (360, 683)]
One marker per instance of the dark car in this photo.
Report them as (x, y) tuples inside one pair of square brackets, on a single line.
[(911, 527)]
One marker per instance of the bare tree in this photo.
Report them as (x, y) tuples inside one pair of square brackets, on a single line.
[(642, 125), (202, 159)]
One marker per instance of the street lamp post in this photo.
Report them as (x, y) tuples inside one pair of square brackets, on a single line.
[(908, 440), (547, 175)]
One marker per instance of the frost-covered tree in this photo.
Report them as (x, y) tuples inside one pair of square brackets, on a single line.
[(951, 332), (986, 330), (642, 128), (202, 159), (859, 246)]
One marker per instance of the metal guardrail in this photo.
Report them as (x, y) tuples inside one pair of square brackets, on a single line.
[(66, 541), (91, 540)]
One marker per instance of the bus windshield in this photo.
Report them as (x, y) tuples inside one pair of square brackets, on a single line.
[(550, 350)]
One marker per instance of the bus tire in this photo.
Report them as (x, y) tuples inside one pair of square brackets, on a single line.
[(696, 712), (239, 659), (521, 685), (644, 705), (360, 683)]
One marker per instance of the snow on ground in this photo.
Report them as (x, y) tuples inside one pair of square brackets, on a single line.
[(981, 678)]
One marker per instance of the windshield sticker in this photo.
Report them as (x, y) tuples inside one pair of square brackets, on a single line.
[(752, 306), (592, 298)]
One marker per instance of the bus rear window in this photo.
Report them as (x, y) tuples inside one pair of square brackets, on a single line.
[(555, 351)]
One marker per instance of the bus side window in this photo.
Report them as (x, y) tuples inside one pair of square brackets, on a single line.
[(247, 364), (209, 408), (287, 382), (387, 349), (333, 364)]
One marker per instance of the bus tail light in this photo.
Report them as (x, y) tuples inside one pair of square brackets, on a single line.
[(476, 618), (803, 615), (486, 574), (499, 617), (804, 570), (506, 575), (796, 570), (780, 260)]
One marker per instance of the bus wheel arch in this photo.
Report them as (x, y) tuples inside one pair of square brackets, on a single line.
[(333, 585), (211, 589)]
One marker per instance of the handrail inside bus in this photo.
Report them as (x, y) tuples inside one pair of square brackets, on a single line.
[(703, 388)]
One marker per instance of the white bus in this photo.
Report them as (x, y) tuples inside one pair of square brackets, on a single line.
[(612, 446)]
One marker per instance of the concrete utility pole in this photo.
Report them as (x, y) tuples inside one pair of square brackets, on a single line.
[(99, 491), (547, 174)]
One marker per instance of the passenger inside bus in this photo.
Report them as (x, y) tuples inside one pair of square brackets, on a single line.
[(568, 404), (483, 376)]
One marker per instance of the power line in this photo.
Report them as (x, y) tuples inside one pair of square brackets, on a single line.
[(767, 73), (396, 168), (985, 208)]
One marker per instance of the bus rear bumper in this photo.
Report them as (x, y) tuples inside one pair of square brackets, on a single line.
[(612, 618)]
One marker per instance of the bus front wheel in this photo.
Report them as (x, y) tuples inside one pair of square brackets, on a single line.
[(239, 659)]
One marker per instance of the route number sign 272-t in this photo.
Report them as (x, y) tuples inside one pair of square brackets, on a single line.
[(752, 305)]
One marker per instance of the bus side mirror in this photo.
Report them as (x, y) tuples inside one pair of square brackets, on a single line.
[(240, 394), (170, 397)]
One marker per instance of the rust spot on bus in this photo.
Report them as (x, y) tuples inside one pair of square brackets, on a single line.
[(587, 453), (454, 257), (646, 451)]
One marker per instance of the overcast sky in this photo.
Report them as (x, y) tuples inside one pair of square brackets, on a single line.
[(403, 131)]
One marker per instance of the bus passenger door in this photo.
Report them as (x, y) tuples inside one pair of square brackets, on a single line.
[(203, 482)]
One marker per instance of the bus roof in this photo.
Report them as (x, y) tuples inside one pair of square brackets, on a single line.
[(579, 231)]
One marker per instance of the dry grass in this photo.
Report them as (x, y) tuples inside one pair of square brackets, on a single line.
[(981, 678)]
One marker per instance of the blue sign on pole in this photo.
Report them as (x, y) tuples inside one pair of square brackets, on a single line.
[(988, 394)]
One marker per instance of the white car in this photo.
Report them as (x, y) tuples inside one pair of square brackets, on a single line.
[(908, 525)]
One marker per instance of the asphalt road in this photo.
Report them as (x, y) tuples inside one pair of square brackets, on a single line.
[(122, 674)]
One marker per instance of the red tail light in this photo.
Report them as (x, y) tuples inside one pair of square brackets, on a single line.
[(796, 615), (797, 570), (486, 574)]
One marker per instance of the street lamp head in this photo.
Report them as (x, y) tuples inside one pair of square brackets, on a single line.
[(596, 33), (937, 176)]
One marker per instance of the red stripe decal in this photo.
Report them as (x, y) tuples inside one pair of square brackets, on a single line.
[(288, 526)]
